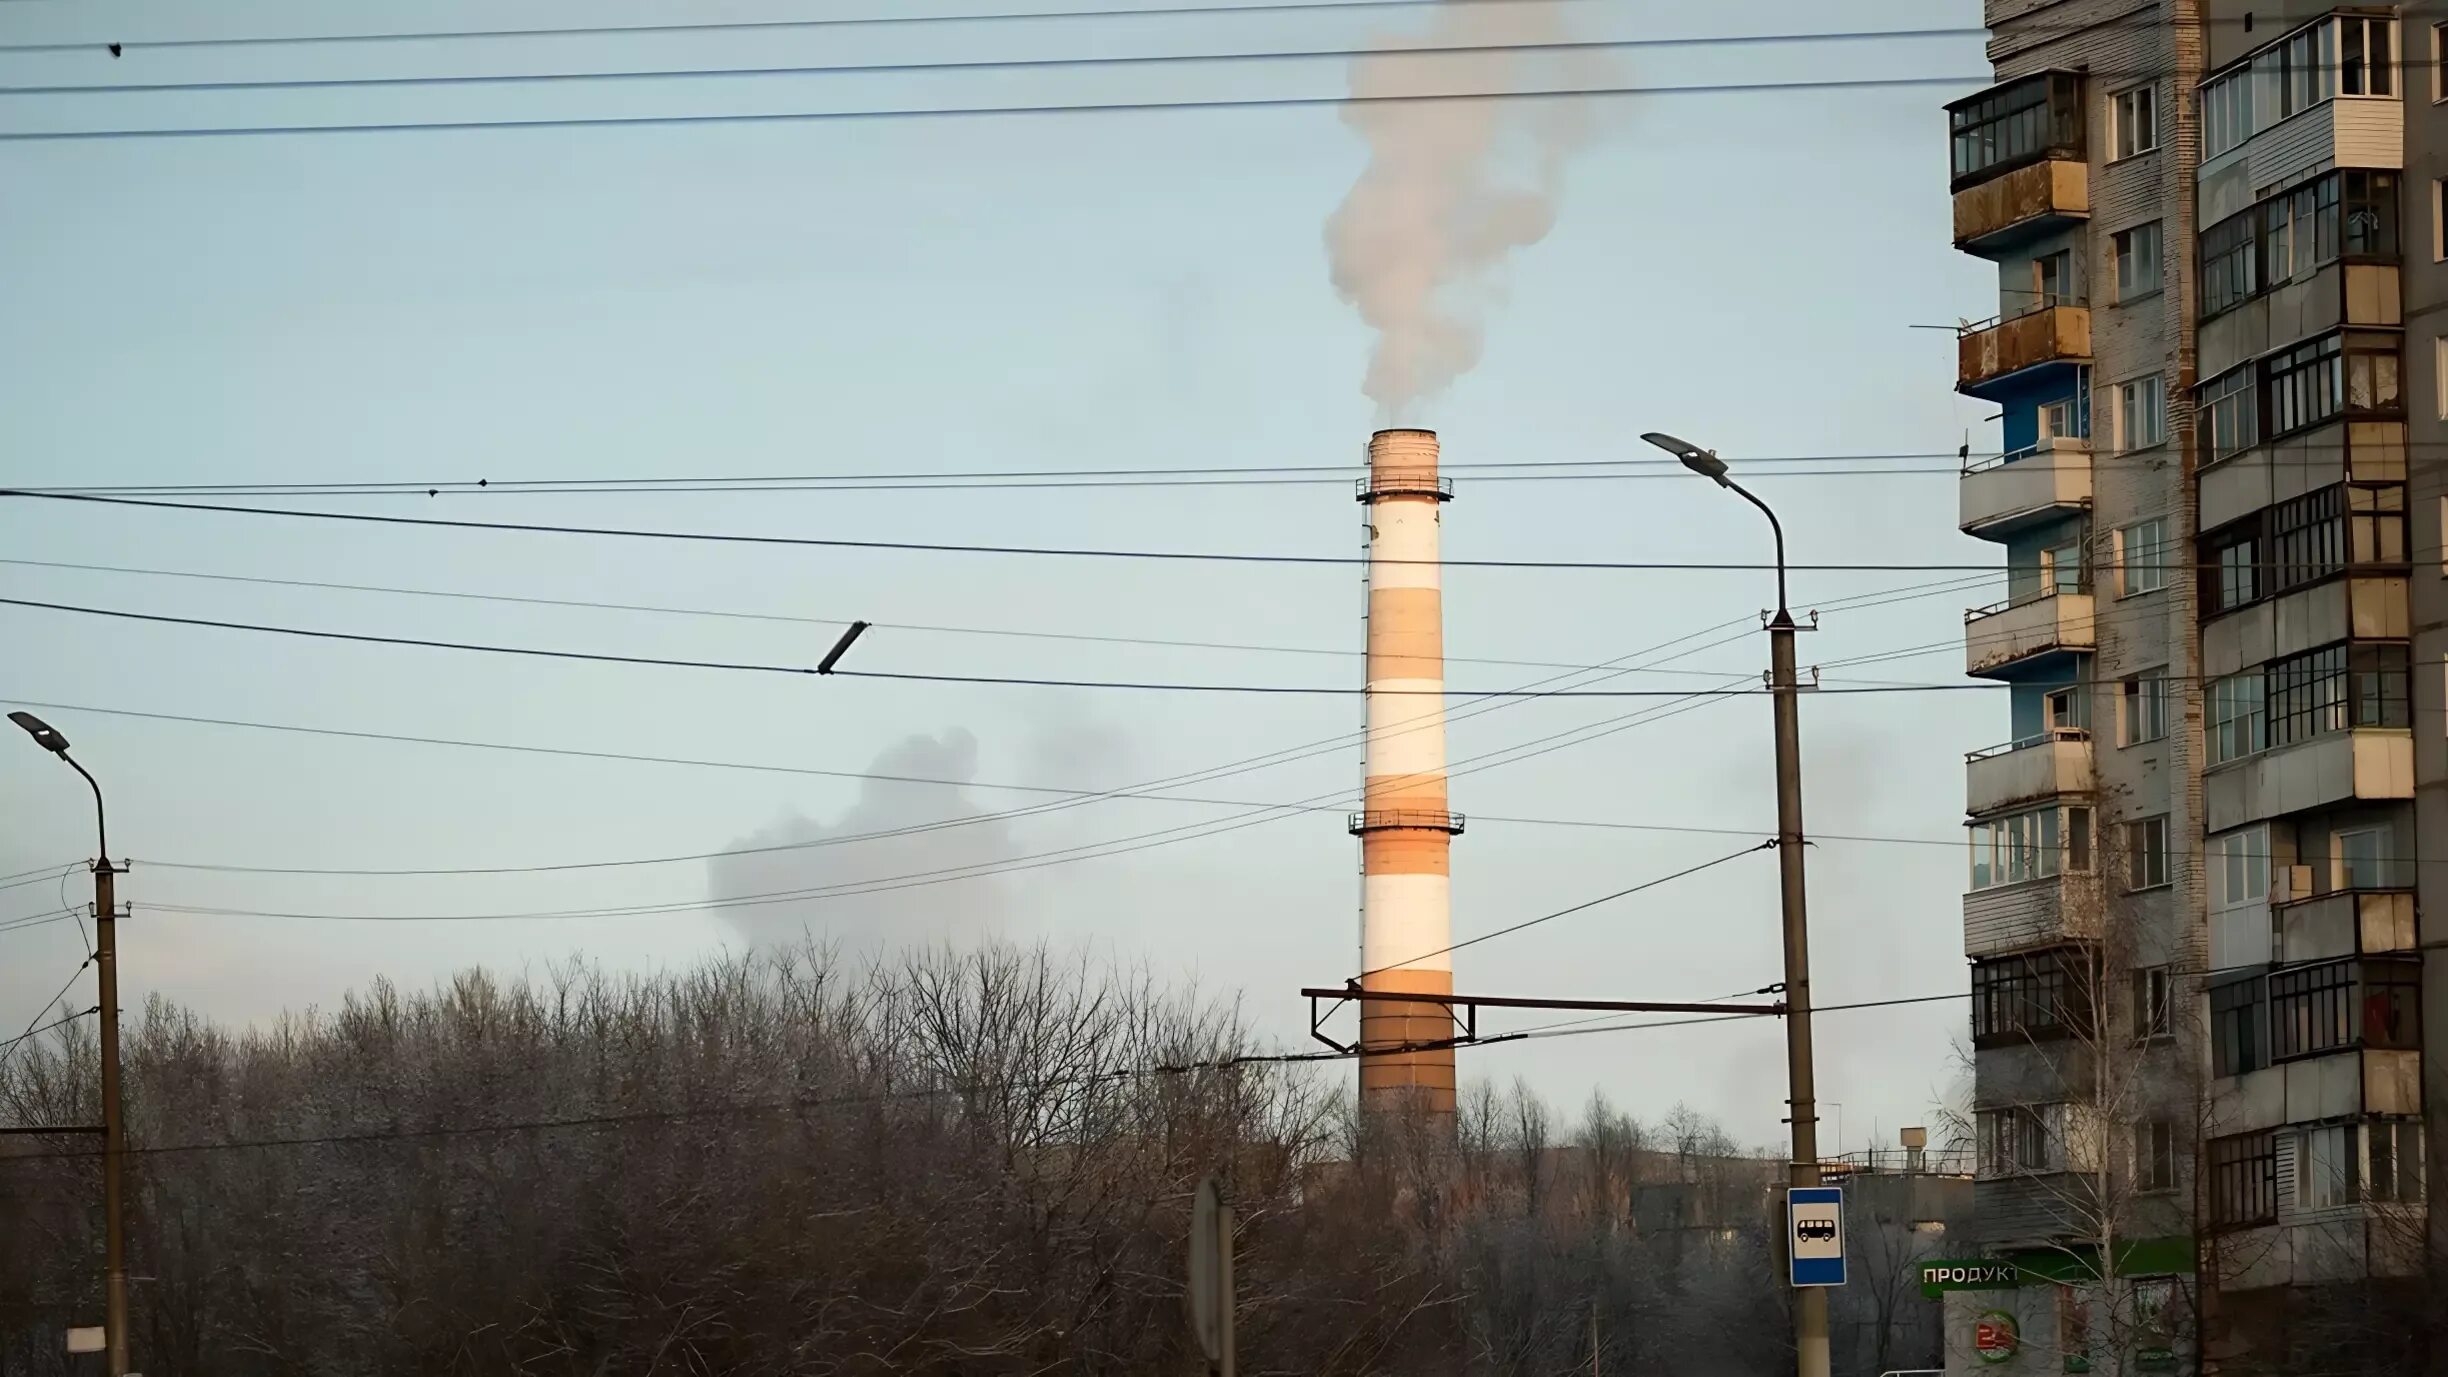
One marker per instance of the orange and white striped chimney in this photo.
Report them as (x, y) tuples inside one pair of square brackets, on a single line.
[(1405, 828)]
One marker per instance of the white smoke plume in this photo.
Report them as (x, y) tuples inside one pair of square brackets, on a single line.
[(1451, 188)]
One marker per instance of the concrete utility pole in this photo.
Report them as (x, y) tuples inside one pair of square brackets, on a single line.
[(114, 1139), (1810, 1302)]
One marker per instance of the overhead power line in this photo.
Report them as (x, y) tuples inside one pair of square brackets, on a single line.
[(924, 628), (135, 43), (1583, 906), (1273, 7), (992, 64), (999, 111), (942, 547)]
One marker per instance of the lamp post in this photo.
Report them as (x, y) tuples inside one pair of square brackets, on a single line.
[(1810, 1302), (106, 966)]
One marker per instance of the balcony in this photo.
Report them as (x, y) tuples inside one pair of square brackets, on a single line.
[(2010, 639), (1994, 356), (2367, 763), (2028, 917), (2003, 496), (2055, 762), (2007, 212)]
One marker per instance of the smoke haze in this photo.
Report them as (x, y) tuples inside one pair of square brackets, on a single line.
[(1418, 243)]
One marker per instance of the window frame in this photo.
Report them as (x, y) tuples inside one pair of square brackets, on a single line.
[(2122, 248), (2030, 997), (2243, 1170), (2155, 1156), (2236, 720), (2142, 708), (2146, 860), (2154, 1007), (2122, 120), (2239, 1026), (2013, 855), (2149, 573), (2129, 394)]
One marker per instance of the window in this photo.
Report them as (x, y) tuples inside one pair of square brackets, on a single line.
[(2061, 569), (2137, 261), (2439, 367), (2155, 1155), (2043, 994), (2078, 839), (2306, 695), (2146, 853), (2244, 1178), (2311, 1010), (2017, 1138), (2376, 523), (2053, 280), (2363, 860), (2305, 66), (2239, 865), (2153, 1010), (2015, 124), (2014, 848), (2439, 203), (2393, 1160), (2135, 114), (2439, 62), (2388, 995), (2381, 679), (2343, 1164), (2367, 62), (2237, 725), (2238, 1019), (2142, 555), (2350, 213), (2064, 709), (2307, 538), (2141, 413), (2316, 1010), (2226, 112), (2145, 715), (2230, 263), (2231, 567), (2372, 380), (2231, 413), (2303, 386)]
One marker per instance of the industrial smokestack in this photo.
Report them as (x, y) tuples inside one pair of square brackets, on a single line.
[(1405, 827)]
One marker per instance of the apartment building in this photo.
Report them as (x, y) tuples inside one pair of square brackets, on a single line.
[(2193, 909)]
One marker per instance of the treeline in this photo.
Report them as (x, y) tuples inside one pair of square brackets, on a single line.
[(946, 1162)]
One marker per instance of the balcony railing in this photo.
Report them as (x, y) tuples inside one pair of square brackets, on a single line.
[(2018, 772), (2004, 494), (1419, 819), (2046, 620), (2056, 331), (2011, 209), (2070, 734)]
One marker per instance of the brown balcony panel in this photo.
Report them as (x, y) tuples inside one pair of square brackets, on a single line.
[(2006, 212), (2053, 334)]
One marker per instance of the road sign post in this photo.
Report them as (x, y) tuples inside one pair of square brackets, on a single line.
[(1814, 1235)]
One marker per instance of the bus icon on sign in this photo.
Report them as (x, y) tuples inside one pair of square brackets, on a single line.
[(1815, 1229)]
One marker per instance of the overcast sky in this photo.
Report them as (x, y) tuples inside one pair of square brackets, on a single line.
[(1116, 290)]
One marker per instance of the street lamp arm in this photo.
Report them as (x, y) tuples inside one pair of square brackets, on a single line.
[(1778, 528), (101, 826)]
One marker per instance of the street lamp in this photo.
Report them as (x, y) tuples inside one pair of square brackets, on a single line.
[(114, 1138), (1810, 1302)]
